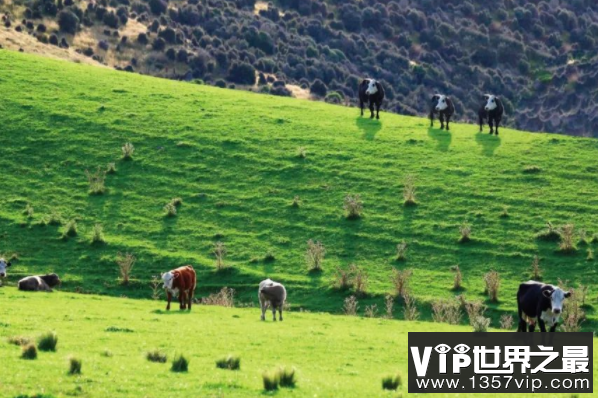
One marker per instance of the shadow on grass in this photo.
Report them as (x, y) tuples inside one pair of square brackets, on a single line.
[(489, 143), (443, 138), (369, 127)]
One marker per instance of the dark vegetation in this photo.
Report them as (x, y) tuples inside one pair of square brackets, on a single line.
[(538, 55)]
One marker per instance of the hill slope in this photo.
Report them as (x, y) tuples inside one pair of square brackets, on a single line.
[(232, 158), (334, 356)]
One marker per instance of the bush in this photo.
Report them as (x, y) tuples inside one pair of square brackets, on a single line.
[(242, 73), (506, 322), (96, 181), (19, 340), (351, 306), (68, 21), (157, 7), (110, 19), (70, 229), (170, 210), (409, 191), (314, 256), (401, 251), (128, 149), (391, 382), (446, 311), (125, 266), (480, 324), (180, 364), (458, 278), (111, 168), (271, 380), (220, 254), (492, 281), (75, 366), (296, 201), (536, 272), (353, 207), (156, 356), (29, 211), (224, 298), (301, 153), (318, 88), (410, 311), (230, 362), (370, 311), (97, 236), (551, 233), (29, 351), (532, 169), (465, 231), (567, 244), (47, 341), (505, 212), (287, 377), (400, 280)]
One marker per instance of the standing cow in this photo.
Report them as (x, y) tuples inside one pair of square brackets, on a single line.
[(541, 301), (443, 106), (41, 283), (372, 92), (181, 282), (3, 266), (273, 294), (492, 109)]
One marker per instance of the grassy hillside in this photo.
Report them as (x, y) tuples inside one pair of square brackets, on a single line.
[(334, 356), (232, 158)]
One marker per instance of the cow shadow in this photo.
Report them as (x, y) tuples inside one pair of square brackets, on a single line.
[(369, 127), (489, 143), (443, 138)]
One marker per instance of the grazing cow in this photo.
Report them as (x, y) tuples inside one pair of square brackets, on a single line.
[(273, 294), (443, 106), (541, 301), (492, 109), (181, 282), (42, 283), (372, 92), (3, 266)]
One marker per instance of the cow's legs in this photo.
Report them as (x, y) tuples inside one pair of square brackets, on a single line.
[(496, 122), (182, 299), (553, 328), (263, 305), (280, 312), (491, 125), (481, 120), (542, 325), (522, 323), (372, 109), (432, 118), (532, 327), (274, 313), (169, 297), (378, 109), (361, 106), (448, 119), (441, 118)]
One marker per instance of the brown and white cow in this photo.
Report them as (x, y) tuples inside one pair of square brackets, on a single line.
[(180, 282), (41, 283), (273, 294)]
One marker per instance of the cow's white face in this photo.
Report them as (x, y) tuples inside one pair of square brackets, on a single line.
[(3, 266), (491, 102), (372, 88), (168, 278), (557, 297), (441, 104)]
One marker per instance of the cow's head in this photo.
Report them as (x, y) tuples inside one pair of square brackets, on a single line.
[(490, 102), (3, 266), (372, 87), (441, 102), (168, 278), (557, 297), (51, 280)]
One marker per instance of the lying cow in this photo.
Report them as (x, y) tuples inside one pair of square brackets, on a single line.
[(492, 109), (273, 294), (372, 92), (443, 106), (41, 283), (541, 301), (180, 282), (3, 266)]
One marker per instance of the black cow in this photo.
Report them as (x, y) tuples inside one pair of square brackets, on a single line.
[(492, 109), (372, 92), (443, 106), (541, 301)]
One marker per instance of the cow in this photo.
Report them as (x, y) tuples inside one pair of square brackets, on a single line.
[(372, 92), (180, 282), (491, 109), (3, 266), (541, 301), (41, 283), (273, 294), (443, 106)]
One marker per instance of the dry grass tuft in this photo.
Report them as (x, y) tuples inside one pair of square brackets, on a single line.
[(492, 281), (400, 280), (97, 236), (220, 255), (458, 280), (409, 191), (224, 298), (125, 263), (96, 181), (401, 251), (314, 255), (353, 206), (351, 306), (567, 244), (128, 149), (465, 232), (506, 322)]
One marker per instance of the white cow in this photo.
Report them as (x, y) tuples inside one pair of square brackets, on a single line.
[(273, 294)]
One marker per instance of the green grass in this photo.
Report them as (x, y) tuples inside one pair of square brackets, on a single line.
[(238, 173), (334, 356)]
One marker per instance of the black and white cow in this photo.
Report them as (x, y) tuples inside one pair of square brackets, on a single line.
[(40, 283), (491, 109), (3, 266), (372, 92), (443, 106), (542, 302)]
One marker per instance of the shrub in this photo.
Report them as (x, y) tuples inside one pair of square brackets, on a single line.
[(360, 280), (96, 181), (314, 256), (480, 324), (410, 311), (287, 377), (506, 321), (351, 306), (505, 212), (242, 73), (457, 282), (231, 362), (536, 271), (409, 191), (567, 244), (111, 168), (296, 201), (551, 233), (75, 366), (97, 236), (492, 281), (170, 210), (271, 380), (342, 279), (180, 364), (176, 201), (70, 229), (107, 353), (125, 263), (400, 280), (128, 149), (110, 19), (47, 341), (220, 254), (318, 88), (532, 169), (590, 256), (156, 356), (391, 382), (475, 310), (353, 207), (19, 340), (68, 21), (29, 351), (465, 231), (389, 303), (370, 311), (28, 211), (54, 218), (401, 251), (301, 152), (156, 287), (583, 237), (446, 311), (224, 298)]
